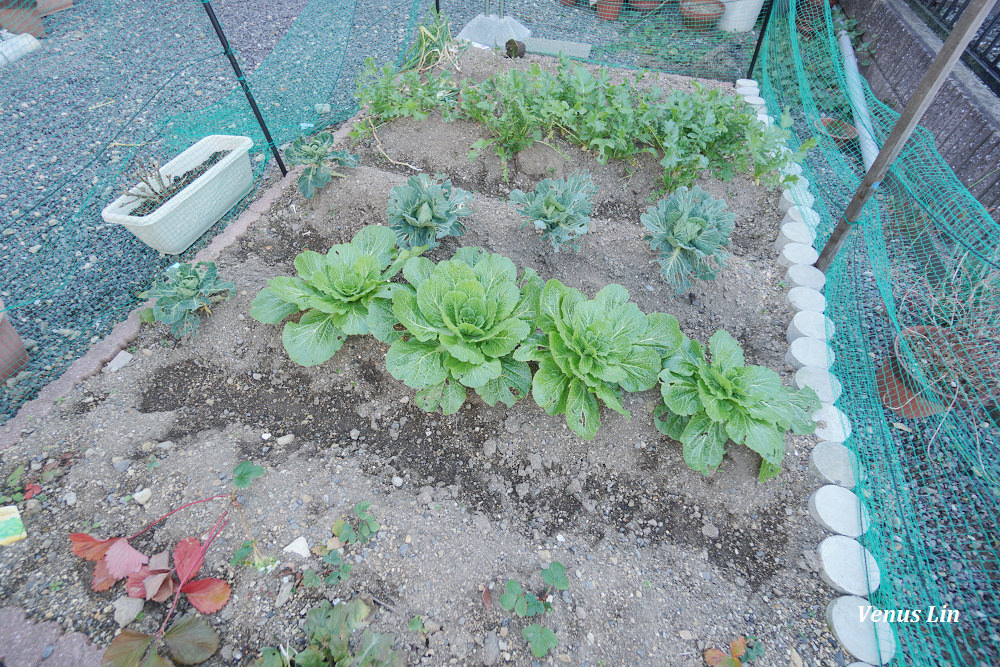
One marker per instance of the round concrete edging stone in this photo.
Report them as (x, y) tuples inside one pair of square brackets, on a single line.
[(805, 275), (848, 567), (832, 463), (839, 511), (806, 351), (793, 232), (797, 253), (809, 323), (795, 197), (826, 385), (835, 426), (858, 637), (802, 214)]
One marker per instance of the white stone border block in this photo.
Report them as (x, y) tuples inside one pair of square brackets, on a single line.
[(795, 196), (804, 298), (826, 385), (797, 253), (805, 275), (857, 636), (832, 463), (809, 323), (808, 351), (839, 511), (847, 567), (793, 232), (804, 214)]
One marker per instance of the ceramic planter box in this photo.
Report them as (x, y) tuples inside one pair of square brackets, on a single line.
[(13, 356), (179, 222)]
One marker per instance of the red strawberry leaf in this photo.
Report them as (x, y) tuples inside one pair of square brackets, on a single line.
[(159, 586), (31, 490), (191, 640), (717, 658), (123, 559), (154, 659), (207, 595), (127, 649), (160, 561), (102, 580), (87, 547), (738, 647), (135, 584), (188, 558)]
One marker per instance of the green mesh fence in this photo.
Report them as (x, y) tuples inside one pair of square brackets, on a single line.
[(915, 301)]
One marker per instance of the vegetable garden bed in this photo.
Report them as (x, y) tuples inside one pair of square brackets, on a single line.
[(662, 561)]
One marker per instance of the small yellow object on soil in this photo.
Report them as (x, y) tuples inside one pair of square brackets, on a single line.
[(11, 526)]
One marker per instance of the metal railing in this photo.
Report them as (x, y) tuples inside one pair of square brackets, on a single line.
[(983, 54)]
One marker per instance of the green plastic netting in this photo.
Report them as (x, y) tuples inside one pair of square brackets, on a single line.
[(913, 298)]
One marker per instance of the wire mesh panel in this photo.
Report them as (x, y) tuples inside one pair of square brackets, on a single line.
[(915, 298)]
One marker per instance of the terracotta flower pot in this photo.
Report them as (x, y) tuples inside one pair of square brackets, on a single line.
[(842, 133), (644, 5), (701, 15), (568, 3), (609, 9), (13, 356)]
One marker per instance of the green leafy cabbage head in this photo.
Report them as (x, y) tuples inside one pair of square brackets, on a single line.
[(590, 350), (463, 320), (319, 158), (183, 291), (708, 403), (558, 208), (690, 230), (427, 209), (343, 292)]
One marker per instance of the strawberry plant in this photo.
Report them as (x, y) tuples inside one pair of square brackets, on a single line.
[(360, 531), (162, 577)]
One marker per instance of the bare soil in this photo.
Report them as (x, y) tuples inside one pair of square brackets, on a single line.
[(663, 561)]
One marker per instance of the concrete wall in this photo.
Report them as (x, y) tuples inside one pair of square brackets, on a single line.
[(965, 115)]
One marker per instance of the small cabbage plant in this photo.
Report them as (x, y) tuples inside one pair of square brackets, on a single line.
[(320, 159), (558, 208), (427, 209), (184, 291), (343, 292), (590, 350), (463, 320), (690, 230), (708, 403)]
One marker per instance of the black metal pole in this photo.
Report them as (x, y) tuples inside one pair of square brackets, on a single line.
[(760, 38), (437, 6), (243, 83)]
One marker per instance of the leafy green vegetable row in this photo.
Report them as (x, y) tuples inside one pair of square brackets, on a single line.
[(472, 322), (690, 132)]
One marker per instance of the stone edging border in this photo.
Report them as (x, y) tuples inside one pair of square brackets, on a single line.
[(112, 347), (845, 565)]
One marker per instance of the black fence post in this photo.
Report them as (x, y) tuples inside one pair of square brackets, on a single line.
[(243, 83), (760, 38)]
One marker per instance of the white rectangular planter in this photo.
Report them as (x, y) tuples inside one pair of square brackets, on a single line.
[(177, 224)]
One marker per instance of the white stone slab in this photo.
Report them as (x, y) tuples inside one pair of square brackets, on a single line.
[(838, 510), (795, 196), (797, 253), (874, 643), (746, 82), (832, 463), (748, 91), (756, 102), (805, 275), (802, 214), (804, 298), (119, 362), (826, 385), (847, 567), (809, 323), (833, 425)]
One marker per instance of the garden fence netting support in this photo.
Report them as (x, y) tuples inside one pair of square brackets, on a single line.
[(913, 297)]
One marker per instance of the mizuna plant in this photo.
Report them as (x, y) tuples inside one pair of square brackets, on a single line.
[(558, 208), (343, 292), (184, 291), (690, 230), (707, 403), (190, 639), (590, 350), (425, 210), (463, 320), (320, 159)]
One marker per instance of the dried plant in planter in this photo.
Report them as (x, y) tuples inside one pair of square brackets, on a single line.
[(154, 187)]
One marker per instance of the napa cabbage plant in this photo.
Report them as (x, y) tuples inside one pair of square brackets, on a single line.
[(317, 154), (344, 292), (690, 230), (462, 322), (707, 403), (590, 350), (558, 208), (427, 209)]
